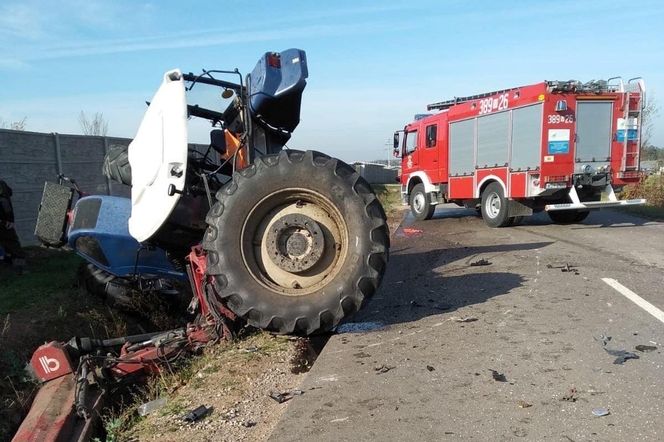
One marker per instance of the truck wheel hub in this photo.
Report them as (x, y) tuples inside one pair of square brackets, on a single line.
[(295, 243)]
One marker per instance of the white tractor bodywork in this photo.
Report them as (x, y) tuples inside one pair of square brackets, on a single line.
[(158, 158)]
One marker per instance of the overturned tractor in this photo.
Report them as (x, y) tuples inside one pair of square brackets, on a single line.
[(288, 241)]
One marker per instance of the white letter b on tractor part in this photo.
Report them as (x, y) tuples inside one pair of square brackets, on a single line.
[(49, 364)]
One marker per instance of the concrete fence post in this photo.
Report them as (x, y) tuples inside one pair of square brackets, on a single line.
[(109, 185), (58, 156)]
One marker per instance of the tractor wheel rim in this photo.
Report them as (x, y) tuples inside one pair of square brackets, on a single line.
[(492, 205), (418, 202), (294, 241)]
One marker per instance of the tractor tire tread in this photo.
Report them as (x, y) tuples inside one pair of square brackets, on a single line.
[(261, 314)]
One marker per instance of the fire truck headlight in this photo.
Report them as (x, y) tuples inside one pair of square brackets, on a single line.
[(587, 168)]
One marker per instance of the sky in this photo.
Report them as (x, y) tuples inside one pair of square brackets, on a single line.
[(372, 65)]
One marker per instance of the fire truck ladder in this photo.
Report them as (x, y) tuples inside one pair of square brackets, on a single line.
[(634, 85)]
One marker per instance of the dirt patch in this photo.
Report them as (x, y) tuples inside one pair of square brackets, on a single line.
[(236, 380)]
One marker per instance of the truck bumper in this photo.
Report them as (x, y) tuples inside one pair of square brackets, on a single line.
[(577, 204)]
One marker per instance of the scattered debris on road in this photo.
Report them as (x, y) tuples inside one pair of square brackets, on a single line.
[(197, 414), (380, 369), (523, 404), (497, 376), (463, 319), (359, 327), (409, 231), (480, 262), (286, 396), (571, 396), (566, 268), (430, 368), (601, 411), (620, 355), (645, 348), (249, 423)]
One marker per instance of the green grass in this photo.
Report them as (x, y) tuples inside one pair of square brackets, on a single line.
[(51, 272), (389, 196), (652, 189)]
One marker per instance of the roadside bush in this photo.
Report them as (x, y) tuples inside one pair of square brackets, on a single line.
[(651, 188)]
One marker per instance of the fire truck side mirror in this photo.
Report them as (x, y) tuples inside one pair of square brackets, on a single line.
[(396, 152)]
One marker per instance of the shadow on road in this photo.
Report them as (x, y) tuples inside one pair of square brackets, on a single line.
[(420, 284), (596, 219)]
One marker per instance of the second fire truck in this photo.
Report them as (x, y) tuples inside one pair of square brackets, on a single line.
[(558, 146)]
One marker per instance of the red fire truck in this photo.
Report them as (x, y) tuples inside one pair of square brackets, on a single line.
[(557, 146)]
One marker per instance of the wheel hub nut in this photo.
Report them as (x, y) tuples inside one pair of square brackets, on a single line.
[(295, 243)]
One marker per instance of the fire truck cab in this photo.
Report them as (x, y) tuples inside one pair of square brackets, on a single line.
[(558, 146)]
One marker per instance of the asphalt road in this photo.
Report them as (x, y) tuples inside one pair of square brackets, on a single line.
[(426, 376)]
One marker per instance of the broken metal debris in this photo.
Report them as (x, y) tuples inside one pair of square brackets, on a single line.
[(497, 376), (252, 349), (286, 396), (620, 355), (380, 369), (645, 348), (601, 411), (430, 368), (197, 414), (523, 404), (480, 262), (565, 268)]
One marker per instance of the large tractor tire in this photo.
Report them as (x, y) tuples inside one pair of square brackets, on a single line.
[(100, 283), (296, 242), (494, 206), (116, 164), (420, 206), (568, 216)]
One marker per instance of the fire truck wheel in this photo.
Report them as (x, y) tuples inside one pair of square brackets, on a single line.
[(420, 205), (568, 216), (116, 164), (296, 242), (494, 206)]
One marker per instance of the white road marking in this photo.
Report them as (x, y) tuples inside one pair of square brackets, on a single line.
[(636, 299)]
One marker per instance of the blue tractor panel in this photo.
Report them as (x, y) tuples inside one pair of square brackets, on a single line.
[(275, 92), (99, 233)]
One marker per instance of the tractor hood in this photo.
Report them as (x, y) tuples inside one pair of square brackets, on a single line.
[(158, 158)]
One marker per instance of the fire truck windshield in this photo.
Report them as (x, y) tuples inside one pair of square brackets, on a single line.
[(410, 143)]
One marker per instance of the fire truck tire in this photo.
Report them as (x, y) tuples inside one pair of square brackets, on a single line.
[(296, 242), (494, 206), (116, 164), (568, 216), (420, 205)]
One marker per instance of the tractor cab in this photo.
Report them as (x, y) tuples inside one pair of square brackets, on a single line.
[(253, 116)]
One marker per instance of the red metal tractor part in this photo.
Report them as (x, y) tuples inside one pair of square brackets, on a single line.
[(66, 407)]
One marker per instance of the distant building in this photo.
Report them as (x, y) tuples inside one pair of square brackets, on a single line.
[(377, 173)]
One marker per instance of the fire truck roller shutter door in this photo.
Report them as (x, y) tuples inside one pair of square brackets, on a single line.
[(492, 140), (593, 131), (526, 137), (462, 147)]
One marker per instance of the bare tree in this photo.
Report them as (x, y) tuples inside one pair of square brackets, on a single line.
[(97, 125), (14, 125), (650, 111)]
